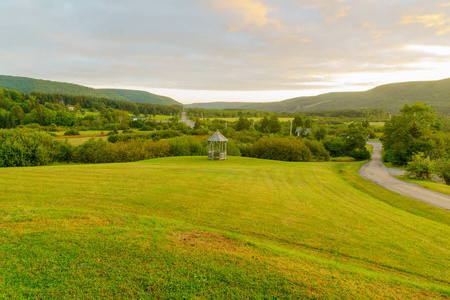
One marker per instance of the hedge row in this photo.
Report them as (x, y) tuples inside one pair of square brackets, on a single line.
[(287, 149)]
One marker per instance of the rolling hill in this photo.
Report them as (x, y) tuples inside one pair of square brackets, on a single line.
[(389, 97), (28, 85), (191, 228), (143, 97)]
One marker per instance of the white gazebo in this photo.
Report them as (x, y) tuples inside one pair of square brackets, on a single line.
[(217, 146)]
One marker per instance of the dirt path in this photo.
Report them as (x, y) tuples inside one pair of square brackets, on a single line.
[(376, 172)]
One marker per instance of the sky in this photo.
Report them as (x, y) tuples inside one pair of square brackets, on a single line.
[(227, 50)]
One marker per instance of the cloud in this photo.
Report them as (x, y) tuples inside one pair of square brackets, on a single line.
[(247, 13), (292, 38), (438, 21), (331, 10), (245, 45), (376, 33), (434, 50)]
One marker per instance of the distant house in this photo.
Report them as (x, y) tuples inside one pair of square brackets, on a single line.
[(139, 118), (71, 108)]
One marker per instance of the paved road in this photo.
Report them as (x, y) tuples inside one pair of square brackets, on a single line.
[(376, 172), (185, 120)]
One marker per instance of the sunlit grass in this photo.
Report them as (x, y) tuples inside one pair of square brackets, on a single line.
[(250, 118), (81, 140), (429, 184), (241, 228), (377, 124)]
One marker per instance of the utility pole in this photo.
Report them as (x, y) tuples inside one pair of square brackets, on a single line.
[(290, 132)]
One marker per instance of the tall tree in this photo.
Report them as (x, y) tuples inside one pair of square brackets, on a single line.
[(410, 132)]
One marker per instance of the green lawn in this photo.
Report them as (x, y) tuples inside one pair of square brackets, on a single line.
[(239, 229), (428, 184)]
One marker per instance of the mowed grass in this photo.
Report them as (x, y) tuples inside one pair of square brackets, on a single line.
[(428, 184), (243, 228)]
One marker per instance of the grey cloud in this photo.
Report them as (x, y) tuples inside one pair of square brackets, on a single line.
[(186, 45)]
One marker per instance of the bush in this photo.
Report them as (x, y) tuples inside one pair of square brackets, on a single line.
[(187, 146), (396, 157), (335, 147), (180, 146), (21, 147), (420, 167), (100, 151), (233, 148), (318, 150), (281, 149), (443, 170), (360, 154), (72, 131)]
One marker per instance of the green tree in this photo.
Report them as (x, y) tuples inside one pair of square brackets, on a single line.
[(421, 166), (410, 132), (274, 124), (297, 122), (197, 124), (355, 137), (320, 133), (242, 124)]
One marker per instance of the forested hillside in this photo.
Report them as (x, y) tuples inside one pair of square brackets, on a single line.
[(30, 85), (47, 109), (388, 97), (143, 97)]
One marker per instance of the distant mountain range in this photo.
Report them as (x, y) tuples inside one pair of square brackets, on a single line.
[(389, 97), (28, 85)]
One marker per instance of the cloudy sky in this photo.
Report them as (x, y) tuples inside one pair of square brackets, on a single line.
[(227, 50)]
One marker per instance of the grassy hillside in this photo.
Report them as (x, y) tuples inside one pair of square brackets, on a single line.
[(28, 85), (390, 97), (220, 105), (238, 229), (144, 97)]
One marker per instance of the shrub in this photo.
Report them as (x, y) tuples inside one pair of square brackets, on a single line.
[(180, 146), (443, 170), (318, 150), (21, 147), (233, 148), (100, 151), (359, 154), (281, 149), (335, 147), (72, 131), (186, 146), (420, 167)]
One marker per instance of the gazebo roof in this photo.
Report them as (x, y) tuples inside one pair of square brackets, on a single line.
[(217, 137)]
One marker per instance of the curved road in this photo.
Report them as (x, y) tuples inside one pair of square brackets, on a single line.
[(377, 172)]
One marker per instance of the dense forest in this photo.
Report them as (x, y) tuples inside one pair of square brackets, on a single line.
[(47, 109)]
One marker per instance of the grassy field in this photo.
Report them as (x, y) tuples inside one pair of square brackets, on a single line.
[(428, 184), (250, 118), (243, 228), (77, 141)]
